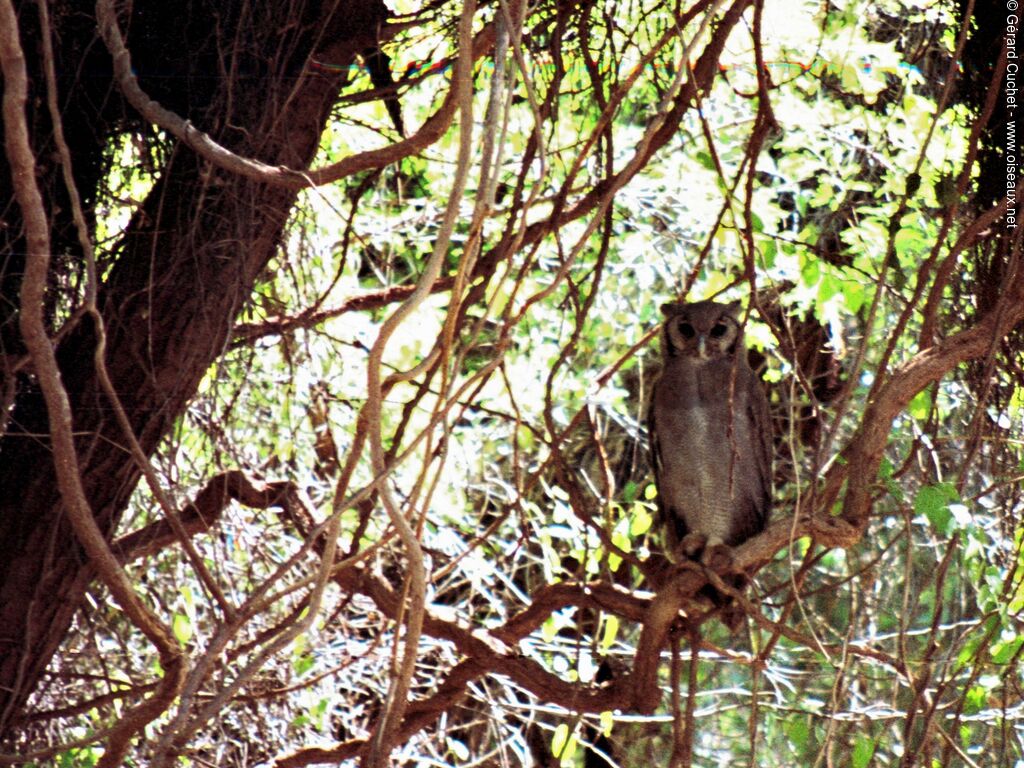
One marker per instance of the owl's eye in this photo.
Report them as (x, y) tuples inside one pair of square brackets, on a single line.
[(687, 330), (719, 330)]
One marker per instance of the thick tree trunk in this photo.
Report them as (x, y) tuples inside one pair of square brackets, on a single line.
[(184, 269)]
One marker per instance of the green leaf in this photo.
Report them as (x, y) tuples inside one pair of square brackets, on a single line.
[(549, 629), (811, 272), (910, 242), (798, 731), (885, 472), (863, 751), (829, 287), (563, 742), (921, 405), (976, 697), (705, 159), (611, 629), (1016, 604), (855, 295), (302, 664), (641, 521), (189, 598), (622, 541), (614, 561), (182, 628), (607, 721), (933, 502), (1006, 649), (965, 738), (630, 491)]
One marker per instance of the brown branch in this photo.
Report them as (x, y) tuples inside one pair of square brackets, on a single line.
[(971, 235), (187, 721), (84, 707), (702, 76), (495, 652), (203, 513), (660, 614), (221, 157), (247, 333), (491, 652), (403, 670), (206, 578), (640, 689), (863, 454)]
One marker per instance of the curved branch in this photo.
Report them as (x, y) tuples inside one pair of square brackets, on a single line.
[(202, 514), (290, 178), (863, 455), (702, 75), (415, 588)]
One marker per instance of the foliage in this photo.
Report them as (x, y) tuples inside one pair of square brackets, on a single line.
[(511, 417)]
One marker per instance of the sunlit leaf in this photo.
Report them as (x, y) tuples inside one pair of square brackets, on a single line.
[(641, 520), (611, 630), (182, 628)]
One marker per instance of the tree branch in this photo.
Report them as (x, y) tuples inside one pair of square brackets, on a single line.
[(290, 178), (863, 455), (201, 515)]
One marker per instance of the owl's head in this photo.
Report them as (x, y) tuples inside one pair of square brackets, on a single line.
[(705, 329)]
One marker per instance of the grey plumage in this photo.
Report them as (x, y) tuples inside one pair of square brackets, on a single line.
[(710, 432)]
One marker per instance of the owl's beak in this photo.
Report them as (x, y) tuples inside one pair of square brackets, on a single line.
[(701, 341)]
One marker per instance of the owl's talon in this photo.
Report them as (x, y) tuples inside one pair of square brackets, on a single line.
[(718, 558), (693, 545)]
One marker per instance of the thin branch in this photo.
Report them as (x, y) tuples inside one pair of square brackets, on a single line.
[(863, 454), (202, 514), (415, 586)]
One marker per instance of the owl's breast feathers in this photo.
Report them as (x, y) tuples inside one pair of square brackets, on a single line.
[(711, 469)]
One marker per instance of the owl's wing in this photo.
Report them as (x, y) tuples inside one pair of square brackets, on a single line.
[(761, 423), (656, 462), (671, 523), (669, 520)]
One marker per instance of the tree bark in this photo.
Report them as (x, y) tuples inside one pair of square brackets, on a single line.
[(173, 287)]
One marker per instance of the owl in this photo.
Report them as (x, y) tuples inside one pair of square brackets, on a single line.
[(710, 434)]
